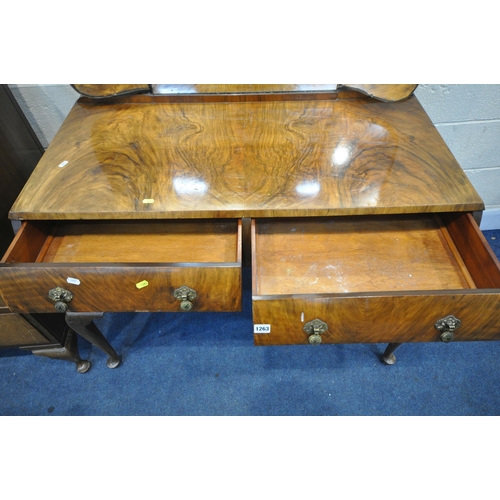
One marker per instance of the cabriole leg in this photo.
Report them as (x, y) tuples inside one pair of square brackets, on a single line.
[(82, 323), (389, 357), (68, 352)]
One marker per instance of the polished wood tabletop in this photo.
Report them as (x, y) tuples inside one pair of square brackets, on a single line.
[(142, 157)]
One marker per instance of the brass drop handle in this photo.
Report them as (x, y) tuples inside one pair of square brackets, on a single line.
[(315, 329), (61, 297), (186, 296), (448, 326)]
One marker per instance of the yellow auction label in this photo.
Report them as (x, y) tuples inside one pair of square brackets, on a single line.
[(148, 200), (142, 284)]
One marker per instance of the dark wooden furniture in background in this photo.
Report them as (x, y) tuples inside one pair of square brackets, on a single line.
[(361, 218), (20, 151)]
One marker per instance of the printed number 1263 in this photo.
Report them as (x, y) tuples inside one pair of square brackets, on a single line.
[(261, 328)]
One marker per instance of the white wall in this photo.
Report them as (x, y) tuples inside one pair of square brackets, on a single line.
[(467, 116), (468, 119), (45, 106)]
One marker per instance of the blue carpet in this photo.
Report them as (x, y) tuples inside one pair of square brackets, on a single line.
[(209, 366)]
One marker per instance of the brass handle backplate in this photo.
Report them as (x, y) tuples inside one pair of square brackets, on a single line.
[(186, 296), (447, 327), (61, 297), (315, 329)]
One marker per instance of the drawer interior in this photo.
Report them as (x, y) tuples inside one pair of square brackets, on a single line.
[(127, 242), (371, 254)]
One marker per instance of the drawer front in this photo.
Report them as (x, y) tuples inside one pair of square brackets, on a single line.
[(121, 289), (378, 318)]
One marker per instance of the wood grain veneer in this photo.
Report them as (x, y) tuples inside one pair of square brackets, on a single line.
[(112, 287), (379, 317), (97, 90), (384, 92), (245, 159)]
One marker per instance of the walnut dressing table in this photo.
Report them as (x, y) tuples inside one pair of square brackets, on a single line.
[(357, 219)]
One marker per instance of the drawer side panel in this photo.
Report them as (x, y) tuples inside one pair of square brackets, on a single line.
[(479, 258)]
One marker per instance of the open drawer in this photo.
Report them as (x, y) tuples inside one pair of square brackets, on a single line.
[(124, 266), (403, 278)]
